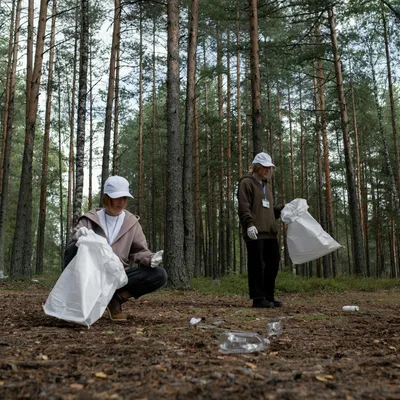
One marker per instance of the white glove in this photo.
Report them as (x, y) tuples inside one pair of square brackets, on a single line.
[(252, 233), (82, 231), (156, 260)]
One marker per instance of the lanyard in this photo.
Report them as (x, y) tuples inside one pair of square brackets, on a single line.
[(263, 187)]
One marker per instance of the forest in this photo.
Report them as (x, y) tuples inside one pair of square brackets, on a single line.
[(178, 97)]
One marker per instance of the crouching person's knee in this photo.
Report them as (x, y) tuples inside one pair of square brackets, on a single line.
[(161, 276)]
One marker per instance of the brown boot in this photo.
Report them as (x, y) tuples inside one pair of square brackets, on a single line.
[(115, 310)]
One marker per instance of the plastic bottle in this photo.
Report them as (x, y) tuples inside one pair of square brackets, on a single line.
[(241, 342), (274, 328), (351, 308)]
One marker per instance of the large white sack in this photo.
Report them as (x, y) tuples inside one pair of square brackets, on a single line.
[(87, 284), (306, 240)]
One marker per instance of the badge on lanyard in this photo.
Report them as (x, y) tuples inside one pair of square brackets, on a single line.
[(265, 203)]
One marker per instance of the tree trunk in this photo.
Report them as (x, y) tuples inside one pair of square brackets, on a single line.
[(90, 194), (384, 141), (105, 170), (392, 111), (116, 111), (22, 245), (71, 103), (220, 158), (60, 177), (327, 171), (82, 96), (140, 138), (174, 260), (358, 242), (255, 78), (228, 195), (46, 148), (188, 215)]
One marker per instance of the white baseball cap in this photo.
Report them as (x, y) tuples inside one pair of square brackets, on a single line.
[(264, 159), (117, 186)]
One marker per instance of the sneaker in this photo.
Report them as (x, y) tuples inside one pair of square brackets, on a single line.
[(262, 303), (277, 303), (115, 310)]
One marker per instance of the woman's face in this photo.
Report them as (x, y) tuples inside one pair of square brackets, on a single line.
[(117, 206)]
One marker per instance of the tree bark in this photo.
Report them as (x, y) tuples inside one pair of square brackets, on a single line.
[(188, 214), (174, 254), (22, 245), (82, 97), (105, 171), (46, 148), (8, 129), (255, 78), (358, 242)]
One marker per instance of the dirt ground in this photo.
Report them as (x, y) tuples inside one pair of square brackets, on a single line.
[(323, 352)]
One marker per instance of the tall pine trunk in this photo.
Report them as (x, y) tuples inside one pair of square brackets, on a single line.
[(174, 253), (255, 78), (358, 242), (46, 149), (105, 170), (82, 96), (22, 245), (188, 215)]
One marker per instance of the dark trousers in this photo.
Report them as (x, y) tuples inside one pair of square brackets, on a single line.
[(262, 264), (143, 280)]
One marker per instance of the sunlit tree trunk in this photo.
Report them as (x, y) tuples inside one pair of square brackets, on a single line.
[(188, 213), (46, 148)]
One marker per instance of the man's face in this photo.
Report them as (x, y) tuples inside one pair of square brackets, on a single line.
[(265, 172)]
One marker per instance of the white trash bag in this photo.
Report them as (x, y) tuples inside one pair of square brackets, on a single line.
[(88, 283), (306, 240)]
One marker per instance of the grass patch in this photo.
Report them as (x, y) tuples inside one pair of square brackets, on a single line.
[(289, 283)]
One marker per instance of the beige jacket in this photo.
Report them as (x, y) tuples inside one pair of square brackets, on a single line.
[(130, 245)]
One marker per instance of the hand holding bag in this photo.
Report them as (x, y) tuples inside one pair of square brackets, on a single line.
[(306, 239), (88, 283)]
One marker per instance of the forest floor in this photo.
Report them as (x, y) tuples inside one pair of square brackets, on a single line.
[(323, 352)]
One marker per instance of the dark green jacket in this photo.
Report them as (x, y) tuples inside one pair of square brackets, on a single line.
[(251, 210)]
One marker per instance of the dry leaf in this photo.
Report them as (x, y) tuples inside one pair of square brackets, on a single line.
[(324, 378), (251, 365), (101, 375), (37, 342), (348, 397), (392, 348), (274, 353), (45, 358), (2, 383), (76, 386), (376, 341), (161, 368)]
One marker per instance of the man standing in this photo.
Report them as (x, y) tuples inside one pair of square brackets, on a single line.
[(258, 219)]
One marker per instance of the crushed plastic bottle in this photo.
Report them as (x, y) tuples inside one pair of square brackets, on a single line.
[(242, 342), (274, 328), (351, 308)]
